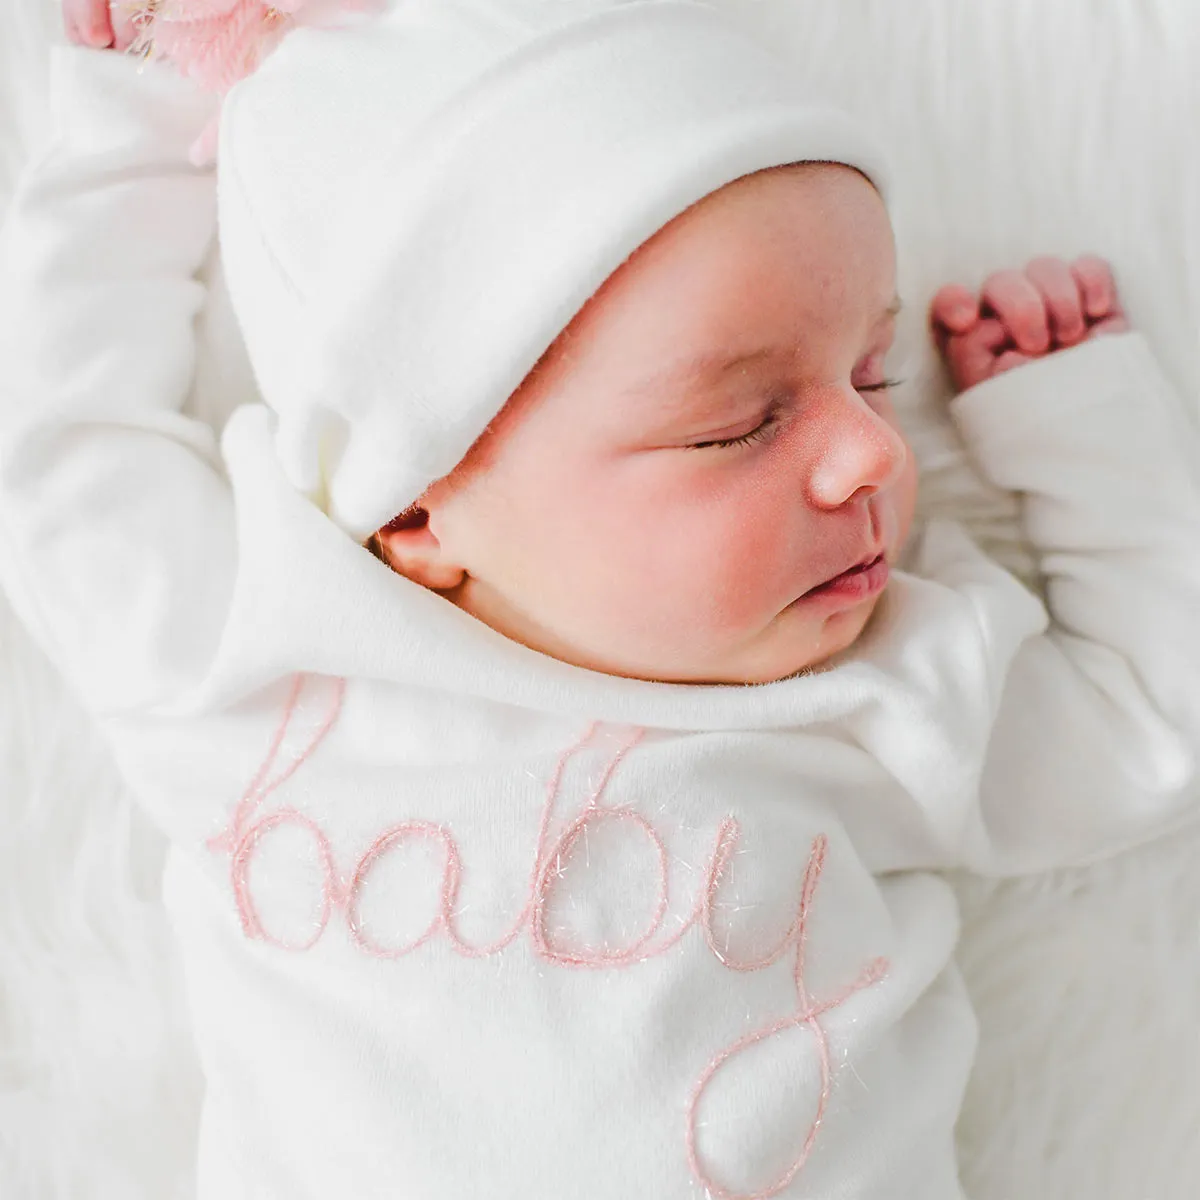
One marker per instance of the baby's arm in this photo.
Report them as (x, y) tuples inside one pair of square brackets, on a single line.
[(116, 524), (1098, 729)]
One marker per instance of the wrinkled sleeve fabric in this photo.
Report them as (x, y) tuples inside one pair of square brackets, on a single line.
[(1096, 733), (117, 537)]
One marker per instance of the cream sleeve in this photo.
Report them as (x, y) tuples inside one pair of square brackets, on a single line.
[(1097, 732), (117, 534), (117, 542)]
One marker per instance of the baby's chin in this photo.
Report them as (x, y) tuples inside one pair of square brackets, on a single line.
[(794, 643), (798, 645)]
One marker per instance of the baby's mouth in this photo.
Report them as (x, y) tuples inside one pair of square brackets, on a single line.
[(866, 578)]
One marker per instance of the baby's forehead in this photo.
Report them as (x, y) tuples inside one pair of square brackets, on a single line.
[(759, 277)]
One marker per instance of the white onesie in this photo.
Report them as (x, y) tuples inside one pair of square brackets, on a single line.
[(460, 920)]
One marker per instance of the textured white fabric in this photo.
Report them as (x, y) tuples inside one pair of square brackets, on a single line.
[(414, 207), (881, 755)]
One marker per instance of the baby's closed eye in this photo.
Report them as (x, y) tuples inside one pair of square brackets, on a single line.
[(762, 430)]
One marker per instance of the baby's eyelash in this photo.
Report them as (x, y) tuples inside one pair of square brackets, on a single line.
[(759, 433), (882, 386), (764, 429)]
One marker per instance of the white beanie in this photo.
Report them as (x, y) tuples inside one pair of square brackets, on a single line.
[(414, 206)]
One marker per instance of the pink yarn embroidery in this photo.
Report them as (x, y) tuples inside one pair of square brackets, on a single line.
[(807, 1013), (242, 838), (241, 841)]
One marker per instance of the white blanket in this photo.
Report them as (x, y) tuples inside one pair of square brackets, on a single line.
[(1033, 126)]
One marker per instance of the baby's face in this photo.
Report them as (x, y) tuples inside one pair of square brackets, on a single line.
[(697, 453)]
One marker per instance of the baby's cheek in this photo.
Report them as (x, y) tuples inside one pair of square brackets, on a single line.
[(728, 571), (666, 557)]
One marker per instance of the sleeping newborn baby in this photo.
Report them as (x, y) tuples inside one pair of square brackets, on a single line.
[(766, 487), (703, 480), (581, 842)]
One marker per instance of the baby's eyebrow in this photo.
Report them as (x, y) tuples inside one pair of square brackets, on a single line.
[(706, 367)]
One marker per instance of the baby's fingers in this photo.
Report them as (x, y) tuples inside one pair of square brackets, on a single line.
[(1094, 278), (87, 23), (98, 24), (1021, 309), (1117, 324), (972, 356), (1008, 360), (1061, 297), (124, 32), (954, 308)]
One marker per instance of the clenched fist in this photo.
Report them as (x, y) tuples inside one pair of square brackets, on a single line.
[(100, 23), (1022, 315)]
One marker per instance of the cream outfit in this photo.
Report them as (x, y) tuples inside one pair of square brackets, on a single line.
[(463, 921)]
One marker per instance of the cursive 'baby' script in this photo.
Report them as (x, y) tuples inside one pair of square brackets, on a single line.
[(244, 834)]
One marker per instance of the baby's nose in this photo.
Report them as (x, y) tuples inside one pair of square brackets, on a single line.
[(861, 453)]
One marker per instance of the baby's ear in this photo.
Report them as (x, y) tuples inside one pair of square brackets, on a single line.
[(410, 548)]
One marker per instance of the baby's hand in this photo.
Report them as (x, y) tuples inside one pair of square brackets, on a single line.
[(1023, 315), (100, 23)]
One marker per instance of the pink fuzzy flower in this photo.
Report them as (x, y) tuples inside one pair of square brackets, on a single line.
[(216, 43)]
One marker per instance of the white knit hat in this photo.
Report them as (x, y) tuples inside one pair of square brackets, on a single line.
[(414, 206)]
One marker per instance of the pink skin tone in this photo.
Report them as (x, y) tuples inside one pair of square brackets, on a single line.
[(99, 24), (628, 515), (646, 550), (601, 520), (1021, 315)]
